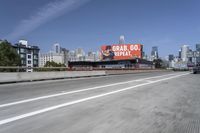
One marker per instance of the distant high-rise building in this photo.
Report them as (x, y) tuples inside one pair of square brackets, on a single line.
[(197, 47), (56, 48), (184, 52), (121, 39), (77, 55), (190, 55), (90, 53), (154, 53), (65, 54), (197, 53), (79, 52), (179, 54), (171, 57), (144, 56), (98, 56), (72, 56), (91, 56)]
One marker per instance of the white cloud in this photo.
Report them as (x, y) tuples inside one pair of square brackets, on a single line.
[(47, 13)]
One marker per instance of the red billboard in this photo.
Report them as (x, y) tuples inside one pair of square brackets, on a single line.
[(121, 51)]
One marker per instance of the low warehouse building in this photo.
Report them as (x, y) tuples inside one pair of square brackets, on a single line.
[(113, 64)]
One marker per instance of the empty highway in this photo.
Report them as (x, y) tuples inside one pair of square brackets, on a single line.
[(158, 102)]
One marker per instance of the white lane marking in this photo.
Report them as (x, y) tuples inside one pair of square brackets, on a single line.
[(5, 121), (77, 91), (149, 81)]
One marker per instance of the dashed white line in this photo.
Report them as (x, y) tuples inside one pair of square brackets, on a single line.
[(5, 121), (77, 91)]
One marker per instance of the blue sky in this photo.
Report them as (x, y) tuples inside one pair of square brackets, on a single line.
[(88, 24)]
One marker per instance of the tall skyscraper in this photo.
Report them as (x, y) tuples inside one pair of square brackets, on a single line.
[(154, 53), (198, 53), (190, 55), (56, 48), (121, 39), (171, 57), (65, 54), (72, 56), (197, 47), (179, 54), (79, 52), (184, 52), (91, 56)]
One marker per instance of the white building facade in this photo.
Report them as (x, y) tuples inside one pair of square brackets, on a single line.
[(184, 52), (56, 55)]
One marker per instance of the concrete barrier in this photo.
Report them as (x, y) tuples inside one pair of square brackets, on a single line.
[(34, 76), (119, 72), (18, 77)]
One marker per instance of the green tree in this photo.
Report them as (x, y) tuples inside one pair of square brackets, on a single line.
[(53, 64), (50, 64), (8, 55)]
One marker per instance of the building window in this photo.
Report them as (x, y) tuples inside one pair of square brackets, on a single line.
[(22, 55), (35, 56), (29, 62), (23, 62), (22, 50), (35, 62), (29, 51), (35, 51), (29, 56)]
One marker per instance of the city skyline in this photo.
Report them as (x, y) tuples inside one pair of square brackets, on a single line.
[(89, 24)]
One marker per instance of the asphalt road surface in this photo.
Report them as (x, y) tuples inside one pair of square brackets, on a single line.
[(158, 102)]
